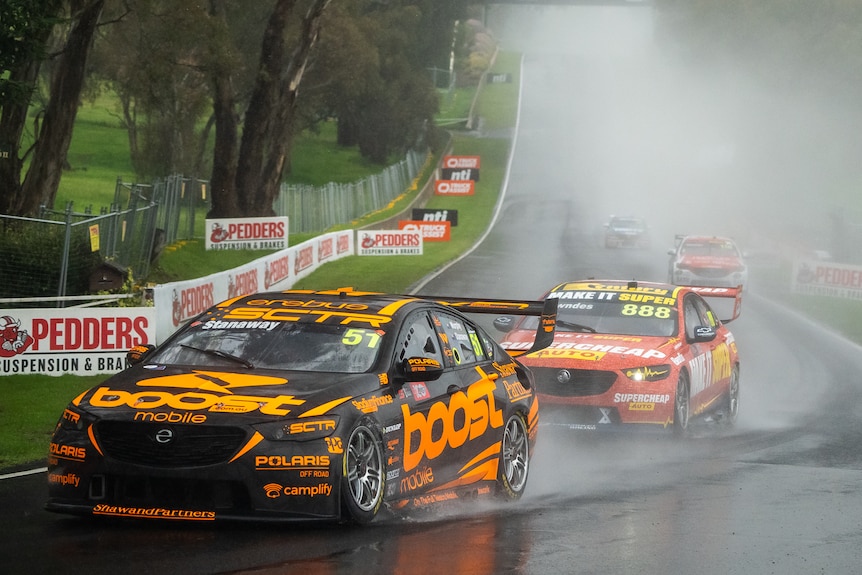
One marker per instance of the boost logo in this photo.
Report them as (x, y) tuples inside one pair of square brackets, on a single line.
[(479, 412)]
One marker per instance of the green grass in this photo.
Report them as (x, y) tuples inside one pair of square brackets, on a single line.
[(30, 406), (844, 316), (397, 273), (499, 102), (317, 160), (98, 155)]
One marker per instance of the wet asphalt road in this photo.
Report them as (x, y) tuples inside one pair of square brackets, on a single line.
[(778, 494)]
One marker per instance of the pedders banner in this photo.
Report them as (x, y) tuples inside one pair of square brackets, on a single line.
[(79, 341)]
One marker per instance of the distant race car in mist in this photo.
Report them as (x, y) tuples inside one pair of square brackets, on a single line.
[(623, 232), (709, 261), (304, 405), (632, 355)]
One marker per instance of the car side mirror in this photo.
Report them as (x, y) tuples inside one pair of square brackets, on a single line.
[(504, 323), (139, 353), (421, 369), (703, 333)]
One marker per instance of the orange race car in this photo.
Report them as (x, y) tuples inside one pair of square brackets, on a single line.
[(304, 405), (632, 353)]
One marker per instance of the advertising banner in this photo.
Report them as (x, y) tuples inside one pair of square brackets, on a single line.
[(247, 233), (431, 231), (816, 277), (388, 243), (460, 174), (431, 215), (454, 188), (459, 162), (79, 341), (178, 302)]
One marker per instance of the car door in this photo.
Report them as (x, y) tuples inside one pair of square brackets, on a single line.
[(414, 458), (475, 415), (710, 362)]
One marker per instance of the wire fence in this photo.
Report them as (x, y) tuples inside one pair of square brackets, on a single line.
[(315, 209), (64, 253)]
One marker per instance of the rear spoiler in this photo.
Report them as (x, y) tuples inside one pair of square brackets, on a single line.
[(722, 292), (546, 309)]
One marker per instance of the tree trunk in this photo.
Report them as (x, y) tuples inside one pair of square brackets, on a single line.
[(52, 144), (223, 179), (13, 118), (269, 119), (288, 89), (12, 122), (259, 129)]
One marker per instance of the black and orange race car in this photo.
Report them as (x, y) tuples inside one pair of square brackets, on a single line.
[(304, 405), (627, 352)]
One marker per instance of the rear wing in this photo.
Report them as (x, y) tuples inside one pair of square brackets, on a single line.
[(724, 294), (545, 309)]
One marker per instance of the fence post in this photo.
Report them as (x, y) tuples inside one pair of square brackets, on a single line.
[(64, 266)]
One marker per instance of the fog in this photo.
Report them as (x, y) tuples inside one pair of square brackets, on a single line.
[(694, 147)]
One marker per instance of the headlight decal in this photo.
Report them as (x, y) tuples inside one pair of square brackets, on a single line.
[(255, 439), (648, 373), (77, 401), (92, 436)]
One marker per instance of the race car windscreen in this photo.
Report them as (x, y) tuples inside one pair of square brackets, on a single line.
[(612, 316), (627, 223), (274, 345), (709, 248)]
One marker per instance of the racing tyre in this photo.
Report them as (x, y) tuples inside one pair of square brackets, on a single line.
[(514, 458), (681, 405), (730, 411), (363, 475)]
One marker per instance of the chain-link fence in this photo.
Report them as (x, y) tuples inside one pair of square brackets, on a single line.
[(316, 209), (61, 253), (58, 253), (44, 257)]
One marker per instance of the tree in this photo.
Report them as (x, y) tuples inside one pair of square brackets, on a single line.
[(53, 131), (154, 59), (251, 188), (372, 73)]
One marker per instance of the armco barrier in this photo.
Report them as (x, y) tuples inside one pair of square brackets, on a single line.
[(89, 340), (177, 302)]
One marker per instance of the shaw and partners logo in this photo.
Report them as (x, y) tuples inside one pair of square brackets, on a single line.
[(210, 391)]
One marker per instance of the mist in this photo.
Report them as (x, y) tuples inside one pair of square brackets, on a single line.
[(694, 147)]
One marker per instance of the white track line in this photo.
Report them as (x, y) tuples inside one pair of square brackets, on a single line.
[(23, 473), (497, 209)]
